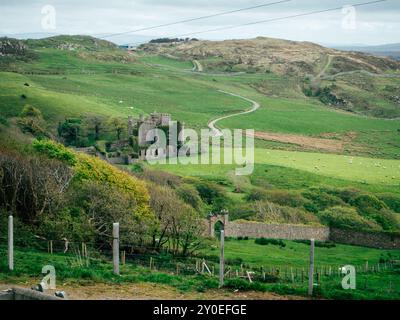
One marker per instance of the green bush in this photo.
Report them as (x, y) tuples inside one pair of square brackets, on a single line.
[(54, 151), (391, 200), (3, 121), (256, 194), (241, 211), (189, 195), (265, 241), (345, 217), (321, 200), (319, 244), (213, 195), (286, 198), (368, 204), (30, 111)]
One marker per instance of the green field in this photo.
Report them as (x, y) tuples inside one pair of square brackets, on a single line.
[(296, 255), (167, 62), (112, 83), (371, 285)]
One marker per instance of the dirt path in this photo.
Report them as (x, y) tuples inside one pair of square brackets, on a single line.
[(149, 291), (212, 124), (197, 66), (325, 68)]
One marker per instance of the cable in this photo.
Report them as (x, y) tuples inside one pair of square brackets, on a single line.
[(271, 20), (194, 19)]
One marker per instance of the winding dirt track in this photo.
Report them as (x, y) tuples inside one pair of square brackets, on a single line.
[(213, 123)]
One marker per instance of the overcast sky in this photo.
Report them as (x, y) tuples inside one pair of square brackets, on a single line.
[(374, 24)]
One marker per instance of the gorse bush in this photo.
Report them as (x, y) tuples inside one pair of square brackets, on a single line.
[(54, 151)]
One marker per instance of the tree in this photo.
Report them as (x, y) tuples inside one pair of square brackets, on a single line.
[(118, 125), (179, 225), (104, 204), (69, 131), (164, 205), (31, 185), (94, 123)]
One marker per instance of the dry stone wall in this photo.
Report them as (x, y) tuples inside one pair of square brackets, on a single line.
[(276, 231)]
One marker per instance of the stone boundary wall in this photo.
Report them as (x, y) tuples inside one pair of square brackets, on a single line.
[(379, 240), (276, 231)]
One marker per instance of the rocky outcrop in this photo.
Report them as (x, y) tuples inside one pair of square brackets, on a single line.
[(12, 47), (273, 55)]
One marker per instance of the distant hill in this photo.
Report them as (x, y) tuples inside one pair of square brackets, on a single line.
[(282, 57), (84, 47), (386, 50), (71, 43)]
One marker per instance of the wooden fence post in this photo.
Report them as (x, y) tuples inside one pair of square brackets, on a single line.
[(311, 271), (221, 260), (11, 242), (123, 257), (116, 247)]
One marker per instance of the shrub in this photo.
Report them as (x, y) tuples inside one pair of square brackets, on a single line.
[(87, 168), (265, 241), (241, 211), (256, 194), (391, 200), (3, 121), (269, 212), (321, 199), (30, 111), (212, 194), (285, 198), (189, 195), (345, 217), (160, 177), (54, 151), (319, 244), (368, 204)]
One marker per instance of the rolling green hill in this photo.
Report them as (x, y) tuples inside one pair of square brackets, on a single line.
[(72, 76)]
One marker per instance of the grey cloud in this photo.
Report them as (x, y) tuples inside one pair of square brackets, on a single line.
[(377, 23)]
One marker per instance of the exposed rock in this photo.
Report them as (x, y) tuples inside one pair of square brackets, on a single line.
[(279, 56), (10, 46)]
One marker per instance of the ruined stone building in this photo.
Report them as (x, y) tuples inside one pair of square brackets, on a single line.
[(141, 127)]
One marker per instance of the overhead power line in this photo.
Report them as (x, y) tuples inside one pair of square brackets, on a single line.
[(271, 20), (194, 19)]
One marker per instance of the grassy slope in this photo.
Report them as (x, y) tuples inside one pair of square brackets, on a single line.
[(113, 88), (296, 255), (382, 285)]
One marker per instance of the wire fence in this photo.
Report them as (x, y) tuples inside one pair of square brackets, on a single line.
[(83, 254)]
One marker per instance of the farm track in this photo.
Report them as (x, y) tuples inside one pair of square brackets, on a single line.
[(212, 124), (150, 291)]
